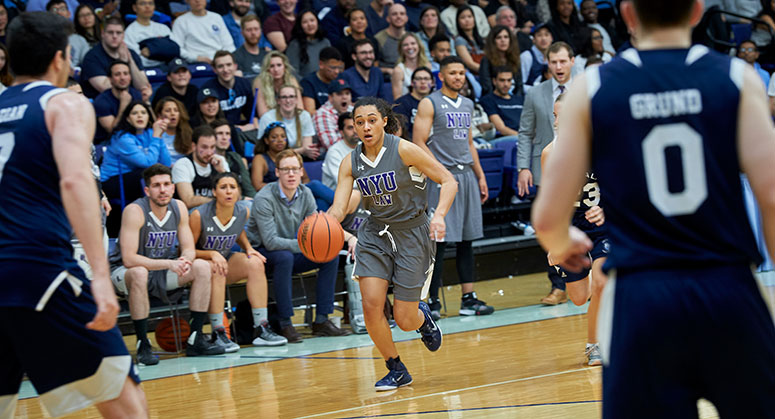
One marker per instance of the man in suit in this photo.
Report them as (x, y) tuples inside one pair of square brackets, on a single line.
[(536, 131)]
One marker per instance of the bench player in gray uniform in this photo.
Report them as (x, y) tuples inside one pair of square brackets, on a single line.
[(443, 128), (394, 243), (146, 262), (217, 226)]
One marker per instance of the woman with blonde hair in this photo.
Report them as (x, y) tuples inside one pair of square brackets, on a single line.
[(411, 56), (177, 136), (298, 122), (276, 71)]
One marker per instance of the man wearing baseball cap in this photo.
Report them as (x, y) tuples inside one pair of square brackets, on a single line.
[(339, 100), (178, 86)]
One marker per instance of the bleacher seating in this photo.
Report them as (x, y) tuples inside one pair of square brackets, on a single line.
[(492, 164), (314, 169)]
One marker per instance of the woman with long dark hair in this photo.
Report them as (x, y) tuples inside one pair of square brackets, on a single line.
[(500, 49), (430, 26), (308, 39), (565, 24), (6, 78), (87, 24), (468, 44), (177, 136)]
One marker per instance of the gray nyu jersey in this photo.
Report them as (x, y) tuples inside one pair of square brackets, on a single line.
[(448, 140), (391, 191), (158, 238), (216, 236)]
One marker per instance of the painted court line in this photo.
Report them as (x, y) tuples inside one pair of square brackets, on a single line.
[(470, 409), (440, 393)]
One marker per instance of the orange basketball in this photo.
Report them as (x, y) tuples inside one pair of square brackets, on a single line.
[(165, 337), (320, 237)]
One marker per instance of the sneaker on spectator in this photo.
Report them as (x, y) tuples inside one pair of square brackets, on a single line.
[(474, 307), (435, 306), (198, 345), (145, 355), (220, 338), (431, 334), (264, 336), (398, 376), (593, 355)]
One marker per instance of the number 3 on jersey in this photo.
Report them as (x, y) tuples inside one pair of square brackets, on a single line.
[(695, 191), (7, 141)]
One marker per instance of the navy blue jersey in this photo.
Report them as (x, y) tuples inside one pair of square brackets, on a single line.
[(588, 198), (664, 146), (34, 230)]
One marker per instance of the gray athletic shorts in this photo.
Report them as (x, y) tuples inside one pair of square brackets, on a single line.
[(403, 255), (464, 219), (160, 283)]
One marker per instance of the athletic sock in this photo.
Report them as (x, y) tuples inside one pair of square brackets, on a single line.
[(216, 321), (260, 316), (197, 320), (141, 329), (590, 345)]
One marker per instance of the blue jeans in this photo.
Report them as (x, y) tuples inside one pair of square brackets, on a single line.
[(284, 264), (324, 196)]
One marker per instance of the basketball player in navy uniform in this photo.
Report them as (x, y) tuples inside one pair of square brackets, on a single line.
[(668, 128), (588, 284), (56, 326), (217, 226), (442, 128), (394, 243)]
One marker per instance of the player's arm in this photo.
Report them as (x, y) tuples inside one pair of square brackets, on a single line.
[(565, 171), (186, 194), (484, 192), (412, 155), (497, 121), (185, 237), (132, 221), (756, 150), (545, 156), (344, 187), (423, 122), (195, 223), (70, 120)]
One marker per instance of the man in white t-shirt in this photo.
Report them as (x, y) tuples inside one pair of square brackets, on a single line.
[(340, 149), (193, 174), (144, 28), (200, 33)]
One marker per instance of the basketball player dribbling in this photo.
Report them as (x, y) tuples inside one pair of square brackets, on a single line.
[(668, 128), (395, 242), (56, 327)]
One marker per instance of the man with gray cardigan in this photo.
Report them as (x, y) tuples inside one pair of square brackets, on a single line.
[(278, 210)]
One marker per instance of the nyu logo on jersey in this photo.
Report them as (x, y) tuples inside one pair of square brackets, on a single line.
[(377, 186), (220, 242), (458, 119), (161, 239), (356, 223)]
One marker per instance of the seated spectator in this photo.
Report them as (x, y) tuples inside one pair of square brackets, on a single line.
[(144, 265), (449, 18), (193, 175), (298, 122), (468, 44), (592, 47), (237, 164), (209, 109), (481, 128), (111, 103), (309, 39), (235, 93), (376, 14), (430, 26), (200, 33), (355, 32), (87, 24), (749, 53), (134, 147), (6, 78), (339, 101), (177, 136), (441, 49), (250, 54), (413, 10), (504, 108), (389, 37), (762, 33), (96, 63), (335, 21), (270, 144), (533, 61), (501, 49), (422, 84), (340, 150), (278, 27), (411, 57), (590, 13), (565, 23), (277, 213), (506, 16), (42, 6), (144, 28), (78, 45), (276, 72), (238, 9), (364, 78), (3, 22), (178, 86), (214, 244), (315, 86)]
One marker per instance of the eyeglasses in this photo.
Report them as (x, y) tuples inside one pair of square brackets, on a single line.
[(747, 49), (422, 79), (597, 38), (287, 97), (289, 170), (59, 9)]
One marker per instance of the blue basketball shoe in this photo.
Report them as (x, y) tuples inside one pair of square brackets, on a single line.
[(397, 377), (430, 331)]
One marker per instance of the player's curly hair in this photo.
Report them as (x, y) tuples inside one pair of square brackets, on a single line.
[(384, 109)]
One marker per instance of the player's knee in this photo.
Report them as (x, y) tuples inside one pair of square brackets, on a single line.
[(201, 269), (578, 298), (255, 264), (137, 278), (373, 307)]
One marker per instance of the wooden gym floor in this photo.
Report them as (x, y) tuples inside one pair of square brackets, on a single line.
[(524, 361)]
